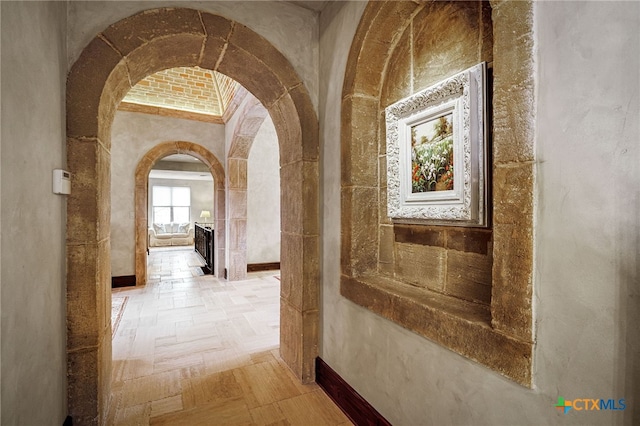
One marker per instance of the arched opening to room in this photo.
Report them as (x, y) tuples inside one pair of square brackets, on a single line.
[(98, 81)]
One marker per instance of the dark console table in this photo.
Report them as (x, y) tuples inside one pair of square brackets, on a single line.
[(204, 244)]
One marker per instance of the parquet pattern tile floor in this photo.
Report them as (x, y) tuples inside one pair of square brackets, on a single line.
[(194, 350)]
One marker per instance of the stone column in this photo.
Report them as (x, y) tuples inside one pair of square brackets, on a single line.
[(89, 281), (237, 216)]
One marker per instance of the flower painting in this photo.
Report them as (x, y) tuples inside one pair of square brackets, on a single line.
[(437, 156), (432, 155)]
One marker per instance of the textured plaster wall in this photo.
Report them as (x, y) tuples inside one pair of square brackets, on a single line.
[(337, 27), (133, 134), (587, 228), (263, 197), (33, 333), (291, 29), (588, 216)]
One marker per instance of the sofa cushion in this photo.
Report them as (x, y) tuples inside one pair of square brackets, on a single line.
[(158, 242), (164, 236), (159, 228)]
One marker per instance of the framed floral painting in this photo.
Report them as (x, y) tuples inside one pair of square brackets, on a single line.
[(437, 153)]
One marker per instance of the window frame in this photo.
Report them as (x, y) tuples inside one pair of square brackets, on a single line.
[(171, 204)]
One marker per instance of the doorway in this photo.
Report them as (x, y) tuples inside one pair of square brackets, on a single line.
[(123, 54), (142, 196)]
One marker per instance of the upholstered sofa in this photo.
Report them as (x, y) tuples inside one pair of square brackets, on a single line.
[(170, 234)]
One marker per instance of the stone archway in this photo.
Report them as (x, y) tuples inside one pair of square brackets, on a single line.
[(105, 71), (244, 133), (142, 193)]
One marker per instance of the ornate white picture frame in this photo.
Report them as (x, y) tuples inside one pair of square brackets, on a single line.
[(437, 153)]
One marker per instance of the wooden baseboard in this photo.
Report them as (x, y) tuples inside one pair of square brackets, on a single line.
[(68, 421), (124, 281), (255, 267), (359, 411)]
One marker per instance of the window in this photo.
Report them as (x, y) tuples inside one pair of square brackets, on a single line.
[(171, 204)]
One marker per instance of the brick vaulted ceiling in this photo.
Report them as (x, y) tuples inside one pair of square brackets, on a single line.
[(190, 89), (193, 89)]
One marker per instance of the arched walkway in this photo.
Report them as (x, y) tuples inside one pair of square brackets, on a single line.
[(112, 62), (142, 193), (251, 118)]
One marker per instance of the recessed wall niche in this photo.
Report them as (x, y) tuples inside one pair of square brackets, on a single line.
[(468, 289)]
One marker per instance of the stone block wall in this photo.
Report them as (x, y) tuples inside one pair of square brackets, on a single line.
[(453, 261), (466, 288), (441, 40)]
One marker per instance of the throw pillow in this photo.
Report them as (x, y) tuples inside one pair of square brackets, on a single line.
[(159, 228), (183, 228)]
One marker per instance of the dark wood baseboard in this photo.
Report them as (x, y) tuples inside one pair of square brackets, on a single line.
[(68, 421), (359, 411), (124, 281), (255, 267)]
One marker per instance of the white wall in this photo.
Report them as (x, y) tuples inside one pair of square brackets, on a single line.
[(263, 196), (33, 333), (588, 211), (338, 23), (133, 135), (587, 240)]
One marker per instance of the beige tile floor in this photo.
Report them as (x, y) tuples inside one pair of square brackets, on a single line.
[(190, 349)]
